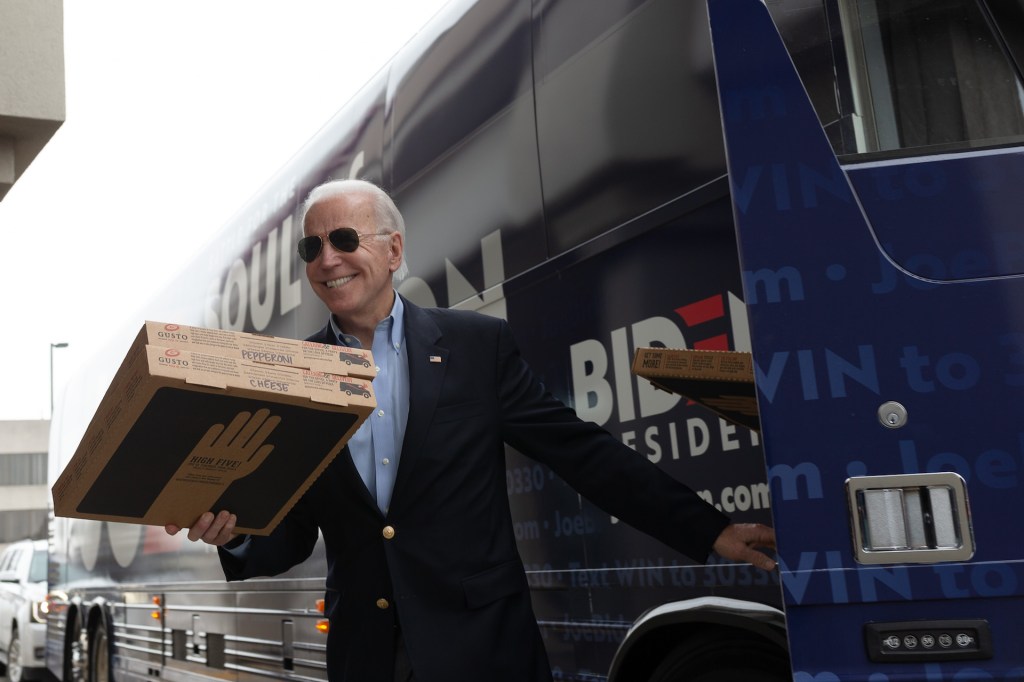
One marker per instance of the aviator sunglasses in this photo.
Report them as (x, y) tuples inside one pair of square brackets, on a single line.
[(343, 239)]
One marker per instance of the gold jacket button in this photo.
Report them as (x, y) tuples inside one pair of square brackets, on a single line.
[(382, 603), (388, 532)]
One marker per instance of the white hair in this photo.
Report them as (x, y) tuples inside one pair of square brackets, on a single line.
[(386, 214)]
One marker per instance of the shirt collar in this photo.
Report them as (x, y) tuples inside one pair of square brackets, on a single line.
[(396, 320)]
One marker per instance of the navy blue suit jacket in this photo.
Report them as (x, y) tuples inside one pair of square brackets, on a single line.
[(451, 573)]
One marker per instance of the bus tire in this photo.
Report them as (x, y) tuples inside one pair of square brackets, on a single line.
[(724, 654), (99, 653), (76, 649)]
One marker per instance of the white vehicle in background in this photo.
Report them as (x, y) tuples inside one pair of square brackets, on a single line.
[(22, 618)]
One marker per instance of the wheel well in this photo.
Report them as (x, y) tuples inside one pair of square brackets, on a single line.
[(647, 652)]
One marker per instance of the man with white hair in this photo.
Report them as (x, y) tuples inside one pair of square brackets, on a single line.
[(424, 579)]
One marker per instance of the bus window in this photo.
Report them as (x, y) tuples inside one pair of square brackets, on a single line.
[(1008, 17), (913, 75)]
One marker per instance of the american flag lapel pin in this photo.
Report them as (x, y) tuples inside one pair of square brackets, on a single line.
[(435, 358)]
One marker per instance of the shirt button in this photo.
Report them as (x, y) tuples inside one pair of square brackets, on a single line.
[(377, 369), (380, 413), (382, 603), (385, 461), (388, 532)]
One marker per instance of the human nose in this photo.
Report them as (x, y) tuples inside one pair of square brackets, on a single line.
[(325, 254), (328, 254)]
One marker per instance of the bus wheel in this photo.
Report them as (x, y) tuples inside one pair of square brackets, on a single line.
[(76, 650), (724, 655), (99, 653)]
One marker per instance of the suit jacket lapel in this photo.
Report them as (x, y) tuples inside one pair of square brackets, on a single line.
[(427, 364)]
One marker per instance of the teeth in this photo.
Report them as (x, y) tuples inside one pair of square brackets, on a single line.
[(338, 282)]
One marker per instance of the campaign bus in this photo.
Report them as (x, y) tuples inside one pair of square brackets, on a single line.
[(833, 186)]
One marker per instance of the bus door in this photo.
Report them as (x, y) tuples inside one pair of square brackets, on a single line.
[(882, 247)]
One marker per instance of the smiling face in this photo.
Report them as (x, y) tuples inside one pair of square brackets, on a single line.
[(356, 287)]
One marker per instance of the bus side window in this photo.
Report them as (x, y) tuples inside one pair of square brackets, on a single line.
[(921, 75), (1008, 18)]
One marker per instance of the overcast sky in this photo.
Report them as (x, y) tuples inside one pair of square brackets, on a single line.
[(177, 113)]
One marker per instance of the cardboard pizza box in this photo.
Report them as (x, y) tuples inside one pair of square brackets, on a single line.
[(262, 349), (181, 432), (720, 380)]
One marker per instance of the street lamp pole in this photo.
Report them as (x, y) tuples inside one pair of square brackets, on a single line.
[(52, 346)]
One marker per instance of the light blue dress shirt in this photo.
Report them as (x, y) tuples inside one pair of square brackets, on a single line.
[(377, 445)]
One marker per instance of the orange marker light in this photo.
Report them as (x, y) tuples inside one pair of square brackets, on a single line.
[(323, 625), (319, 605)]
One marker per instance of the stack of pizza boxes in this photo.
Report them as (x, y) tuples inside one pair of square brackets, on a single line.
[(201, 419)]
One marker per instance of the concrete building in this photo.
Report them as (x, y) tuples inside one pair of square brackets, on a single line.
[(23, 491), (31, 82)]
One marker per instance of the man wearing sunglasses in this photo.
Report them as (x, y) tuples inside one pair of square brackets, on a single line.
[(424, 579)]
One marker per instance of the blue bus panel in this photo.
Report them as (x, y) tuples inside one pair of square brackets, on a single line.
[(863, 291)]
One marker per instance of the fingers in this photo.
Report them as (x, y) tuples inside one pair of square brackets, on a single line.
[(213, 529), (261, 426), (737, 542), (761, 560), (239, 423), (241, 441), (264, 431), (256, 459), (754, 534)]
